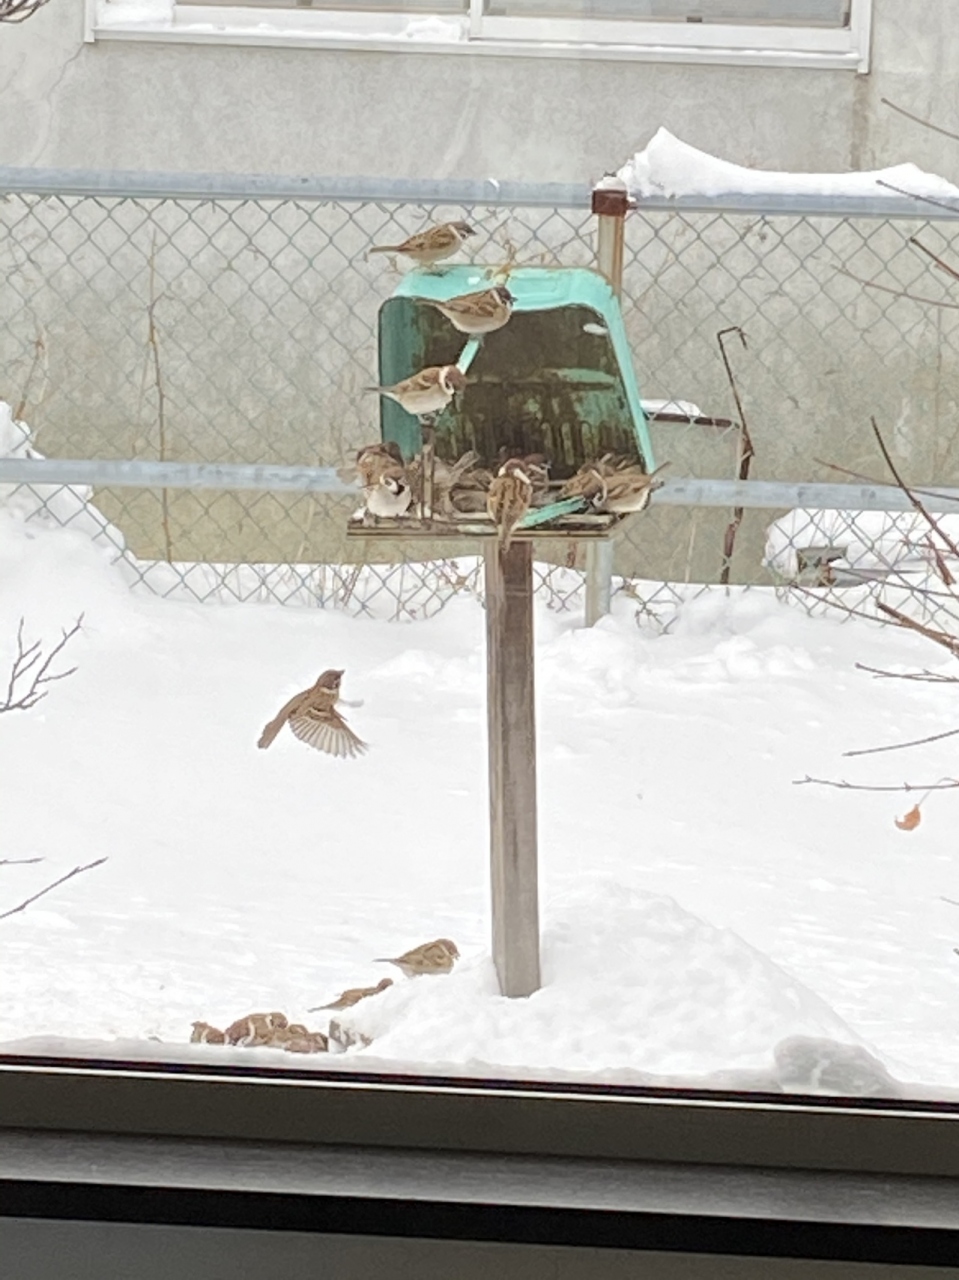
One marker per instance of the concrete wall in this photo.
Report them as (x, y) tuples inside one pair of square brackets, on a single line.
[(403, 114)]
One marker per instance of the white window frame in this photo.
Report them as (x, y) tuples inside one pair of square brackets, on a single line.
[(474, 32)]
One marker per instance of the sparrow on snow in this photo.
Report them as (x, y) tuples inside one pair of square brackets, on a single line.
[(314, 719), (386, 486), (428, 392), (509, 499), (433, 245), (431, 957), (353, 995), (203, 1033), (255, 1029), (477, 313)]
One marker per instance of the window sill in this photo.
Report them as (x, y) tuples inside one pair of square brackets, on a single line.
[(213, 30)]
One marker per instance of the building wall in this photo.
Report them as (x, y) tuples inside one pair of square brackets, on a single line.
[(135, 105)]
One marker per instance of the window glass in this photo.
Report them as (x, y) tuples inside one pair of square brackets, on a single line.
[(456, 616)]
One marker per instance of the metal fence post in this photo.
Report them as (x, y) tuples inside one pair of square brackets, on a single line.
[(599, 579)]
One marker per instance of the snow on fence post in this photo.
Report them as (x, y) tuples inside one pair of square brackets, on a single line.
[(511, 720), (611, 203)]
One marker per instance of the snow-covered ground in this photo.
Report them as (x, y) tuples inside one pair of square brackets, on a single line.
[(701, 914)]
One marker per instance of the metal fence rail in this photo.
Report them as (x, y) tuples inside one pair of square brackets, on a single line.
[(230, 321)]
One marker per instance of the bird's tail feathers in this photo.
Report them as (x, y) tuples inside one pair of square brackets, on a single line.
[(270, 731)]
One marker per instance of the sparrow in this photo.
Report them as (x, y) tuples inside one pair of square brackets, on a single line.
[(386, 487), (536, 466), (255, 1029), (446, 476), (433, 245), (297, 1039), (314, 719), (509, 499), (428, 392), (431, 957), (203, 1033), (353, 995), (477, 313), (347, 1037), (618, 486)]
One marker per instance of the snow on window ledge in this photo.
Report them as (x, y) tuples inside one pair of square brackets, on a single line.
[(166, 21)]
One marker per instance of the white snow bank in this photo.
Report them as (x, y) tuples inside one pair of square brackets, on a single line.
[(866, 540), (630, 980), (59, 505), (667, 166), (124, 13)]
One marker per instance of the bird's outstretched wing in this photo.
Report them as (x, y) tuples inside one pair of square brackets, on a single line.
[(326, 731)]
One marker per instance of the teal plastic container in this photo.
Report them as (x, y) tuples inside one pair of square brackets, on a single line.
[(558, 379)]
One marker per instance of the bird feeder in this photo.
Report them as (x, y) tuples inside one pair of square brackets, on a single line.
[(558, 379)]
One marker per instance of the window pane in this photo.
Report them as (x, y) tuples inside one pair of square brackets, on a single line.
[(818, 13)]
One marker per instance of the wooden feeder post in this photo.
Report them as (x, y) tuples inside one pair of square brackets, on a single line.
[(511, 720)]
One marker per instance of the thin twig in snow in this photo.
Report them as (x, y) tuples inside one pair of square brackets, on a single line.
[(926, 677), (17, 862), (901, 746), (26, 661), (946, 784), (69, 876)]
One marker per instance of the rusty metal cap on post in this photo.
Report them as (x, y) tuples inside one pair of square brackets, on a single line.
[(611, 197)]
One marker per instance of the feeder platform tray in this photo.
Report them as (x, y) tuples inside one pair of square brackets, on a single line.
[(585, 526)]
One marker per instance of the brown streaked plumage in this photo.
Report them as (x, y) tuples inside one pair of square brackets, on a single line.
[(353, 995), (432, 245), (204, 1033), (447, 476), (314, 719), (427, 392), (432, 957), (477, 313), (619, 485), (386, 486), (509, 499), (255, 1029)]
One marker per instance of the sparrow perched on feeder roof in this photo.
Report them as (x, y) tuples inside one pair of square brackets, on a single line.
[(433, 245), (386, 486), (427, 392), (431, 957), (353, 995), (477, 313), (509, 499), (314, 719)]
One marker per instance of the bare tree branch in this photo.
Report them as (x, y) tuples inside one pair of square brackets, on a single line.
[(17, 862), (745, 454), (944, 266), (25, 664), (914, 195), (946, 784), (927, 677), (901, 746), (917, 506), (19, 10), (69, 876), (926, 124), (897, 293)]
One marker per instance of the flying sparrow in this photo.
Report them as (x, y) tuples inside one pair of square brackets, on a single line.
[(618, 486), (255, 1029), (203, 1033), (386, 488), (431, 957), (477, 313), (353, 995), (314, 719), (509, 499), (427, 392), (433, 245)]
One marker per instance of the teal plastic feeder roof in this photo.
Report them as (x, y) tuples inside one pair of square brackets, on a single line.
[(558, 379)]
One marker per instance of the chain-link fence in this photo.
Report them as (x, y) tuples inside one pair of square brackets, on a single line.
[(235, 322)]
